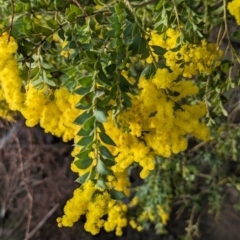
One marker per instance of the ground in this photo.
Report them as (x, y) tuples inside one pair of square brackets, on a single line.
[(36, 181)]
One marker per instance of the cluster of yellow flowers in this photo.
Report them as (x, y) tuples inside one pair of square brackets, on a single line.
[(55, 113), (190, 59), (5, 112), (10, 81), (95, 205), (129, 148), (65, 53), (159, 121), (163, 215), (149, 215), (234, 9), (156, 124)]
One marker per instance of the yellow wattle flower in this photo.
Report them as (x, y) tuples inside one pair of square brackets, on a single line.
[(234, 9)]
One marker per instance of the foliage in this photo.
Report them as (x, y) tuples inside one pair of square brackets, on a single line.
[(129, 82)]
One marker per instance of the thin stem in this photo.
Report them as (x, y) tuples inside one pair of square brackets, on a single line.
[(79, 5), (143, 4), (28, 190), (43, 221), (176, 14), (12, 17), (129, 6), (95, 121)]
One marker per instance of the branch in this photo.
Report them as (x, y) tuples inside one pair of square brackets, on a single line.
[(143, 4), (41, 223), (79, 5), (27, 187)]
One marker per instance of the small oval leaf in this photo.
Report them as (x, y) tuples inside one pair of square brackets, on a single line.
[(84, 163), (116, 194), (100, 115), (102, 168), (106, 139)]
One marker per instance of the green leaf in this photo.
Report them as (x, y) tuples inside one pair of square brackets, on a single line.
[(87, 176), (46, 66), (82, 132), (45, 31), (172, 93), (106, 139), (91, 55), (119, 8), (89, 124), (84, 163), (159, 5), (89, 10), (219, 10), (85, 102), (92, 173), (108, 162), (111, 33), (83, 117), (72, 44), (128, 30), (83, 154), (113, 19), (75, 9), (61, 34), (47, 80), (159, 50), (138, 45), (52, 23), (102, 168), (111, 68), (71, 17), (84, 141), (101, 127), (101, 184), (145, 53), (82, 90), (149, 71), (225, 113), (126, 100), (99, 18), (82, 179), (100, 115), (102, 76), (124, 81), (105, 152), (83, 107), (119, 41), (116, 194), (116, 26), (98, 2), (86, 81), (226, 65), (236, 35)]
